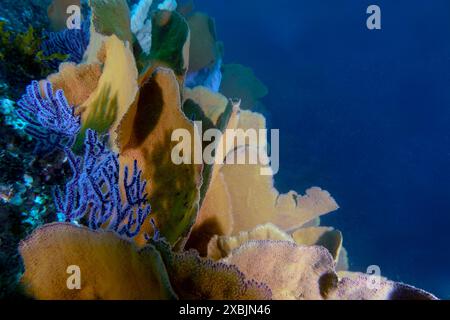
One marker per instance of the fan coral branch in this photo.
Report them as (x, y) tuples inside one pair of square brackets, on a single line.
[(49, 118), (94, 190), (71, 42)]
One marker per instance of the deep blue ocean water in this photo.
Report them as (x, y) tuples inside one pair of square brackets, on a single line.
[(363, 114)]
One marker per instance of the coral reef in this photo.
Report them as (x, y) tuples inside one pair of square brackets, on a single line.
[(94, 190), (25, 13), (70, 42), (214, 231), (22, 59), (57, 12), (49, 118), (26, 200), (119, 269)]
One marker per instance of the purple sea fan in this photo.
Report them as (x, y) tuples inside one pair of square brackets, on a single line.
[(95, 191), (71, 42), (49, 117)]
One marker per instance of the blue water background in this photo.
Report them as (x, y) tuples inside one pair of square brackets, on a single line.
[(363, 114)]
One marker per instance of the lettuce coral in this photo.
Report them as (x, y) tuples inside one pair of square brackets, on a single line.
[(145, 134), (220, 231), (291, 271), (112, 268), (307, 273), (322, 236), (222, 246), (196, 278), (255, 201), (77, 81), (116, 90)]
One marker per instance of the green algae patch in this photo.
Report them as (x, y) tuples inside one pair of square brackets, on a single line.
[(112, 17)]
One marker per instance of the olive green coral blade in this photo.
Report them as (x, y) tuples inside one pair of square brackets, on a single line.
[(112, 17), (170, 44), (145, 134)]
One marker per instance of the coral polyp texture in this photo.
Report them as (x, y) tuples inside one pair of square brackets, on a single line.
[(140, 226)]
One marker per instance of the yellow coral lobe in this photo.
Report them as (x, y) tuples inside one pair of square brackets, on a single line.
[(145, 134), (214, 218), (221, 247), (255, 201), (224, 148), (292, 272), (77, 81), (320, 236), (116, 91), (295, 272), (215, 112), (95, 50), (249, 120), (212, 104), (109, 17), (110, 267), (315, 203), (203, 47), (342, 263), (196, 278)]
